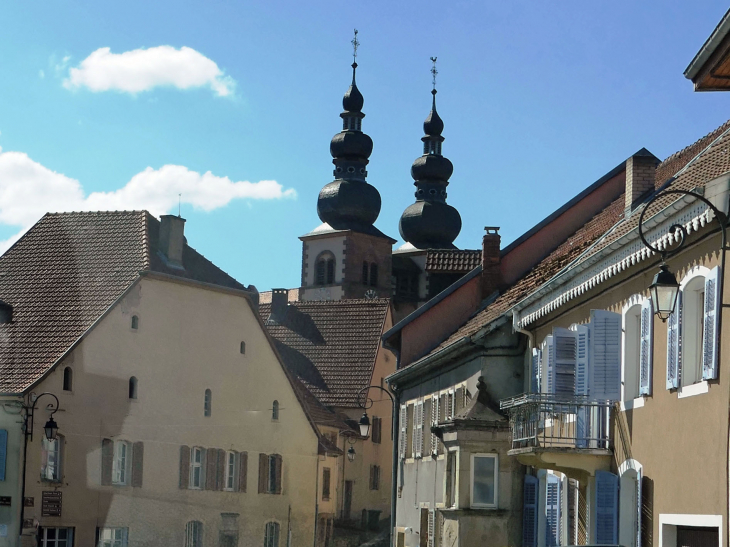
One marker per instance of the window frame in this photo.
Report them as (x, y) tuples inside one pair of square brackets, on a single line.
[(58, 452), (275, 411), (113, 541), (230, 474), (628, 313), (326, 483), (272, 533), (451, 479), (194, 533), (133, 384), (134, 323), (208, 403), (121, 475), (45, 542), (196, 465), (687, 281), (68, 379), (472, 502)]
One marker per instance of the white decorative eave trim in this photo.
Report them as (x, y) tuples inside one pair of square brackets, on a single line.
[(628, 250)]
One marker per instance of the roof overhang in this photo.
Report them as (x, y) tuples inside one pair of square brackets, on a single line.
[(710, 68)]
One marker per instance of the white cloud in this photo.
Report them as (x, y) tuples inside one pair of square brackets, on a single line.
[(41, 74), (28, 190), (144, 69)]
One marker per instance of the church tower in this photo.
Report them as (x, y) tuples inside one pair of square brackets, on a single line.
[(346, 256)]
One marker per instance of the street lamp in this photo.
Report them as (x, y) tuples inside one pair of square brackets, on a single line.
[(351, 453), (664, 290), (51, 429), (365, 425)]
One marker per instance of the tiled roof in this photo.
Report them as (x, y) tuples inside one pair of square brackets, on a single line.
[(330, 345), (318, 413), (609, 225), (452, 261), (64, 273)]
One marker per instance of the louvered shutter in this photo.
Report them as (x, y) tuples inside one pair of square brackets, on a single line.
[(107, 461), (582, 336), (403, 440), (278, 462), (606, 508), (434, 422), (459, 397), (563, 369), (605, 356), (674, 345), (137, 464), (220, 470), (646, 349), (549, 358), (427, 420), (712, 314), (529, 511), (418, 429), (211, 464), (552, 511), (431, 526), (263, 473), (242, 471), (3, 452), (535, 372), (184, 467)]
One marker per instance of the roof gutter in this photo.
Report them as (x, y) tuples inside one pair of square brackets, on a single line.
[(709, 47)]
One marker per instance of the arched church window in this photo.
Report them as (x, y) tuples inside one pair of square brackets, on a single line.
[(324, 271), (330, 271), (373, 275), (365, 270)]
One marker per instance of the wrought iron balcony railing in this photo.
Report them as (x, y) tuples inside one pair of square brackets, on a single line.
[(538, 420)]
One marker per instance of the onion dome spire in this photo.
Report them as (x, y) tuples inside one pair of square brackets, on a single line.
[(349, 202), (431, 223)]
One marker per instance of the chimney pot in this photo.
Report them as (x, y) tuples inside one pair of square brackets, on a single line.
[(491, 273), (172, 239), (640, 179), (279, 303)]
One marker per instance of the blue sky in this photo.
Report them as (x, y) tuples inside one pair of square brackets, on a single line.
[(539, 100)]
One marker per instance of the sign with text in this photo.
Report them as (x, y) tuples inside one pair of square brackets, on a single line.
[(51, 503)]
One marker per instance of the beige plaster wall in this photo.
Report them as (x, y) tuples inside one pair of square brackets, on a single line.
[(188, 340)]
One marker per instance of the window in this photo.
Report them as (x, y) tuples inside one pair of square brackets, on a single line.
[(275, 411), (326, 483), (330, 271), (484, 469), (325, 269), (208, 404), (230, 471), (638, 334), (51, 459), (270, 466), (112, 537), (271, 534), (120, 466), (374, 477), (243, 348), (68, 379), (194, 534), (693, 312), (632, 351), (365, 270), (57, 537), (377, 430), (196, 467), (135, 322), (373, 275), (451, 474), (273, 474), (133, 387)]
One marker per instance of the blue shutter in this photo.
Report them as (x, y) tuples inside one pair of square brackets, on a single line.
[(605, 356), (563, 370), (709, 335), (529, 511), (552, 511), (549, 356), (646, 350), (3, 452), (606, 508), (535, 372), (674, 345)]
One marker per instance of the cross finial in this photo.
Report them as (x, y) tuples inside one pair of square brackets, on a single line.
[(434, 72), (355, 43)]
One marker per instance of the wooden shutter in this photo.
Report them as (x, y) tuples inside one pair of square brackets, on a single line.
[(220, 469), (563, 362), (606, 508), (211, 463), (107, 461), (674, 345), (242, 471), (549, 357), (137, 464), (423, 532), (535, 372), (377, 430), (427, 420), (403, 440), (277, 480), (646, 348), (552, 511), (605, 343), (712, 314), (263, 473), (529, 511), (3, 452), (434, 422), (184, 466), (372, 474)]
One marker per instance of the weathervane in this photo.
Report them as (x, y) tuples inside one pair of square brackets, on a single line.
[(434, 72), (355, 43)]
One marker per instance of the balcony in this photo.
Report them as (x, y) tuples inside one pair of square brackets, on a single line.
[(567, 434)]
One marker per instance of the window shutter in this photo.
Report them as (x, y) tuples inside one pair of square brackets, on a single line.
[(420, 429), (563, 362), (137, 464), (582, 335), (3, 452), (220, 472), (434, 422), (606, 508), (549, 357), (107, 460), (552, 511), (431, 528), (184, 466), (674, 345), (427, 419), (712, 314), (414, 431), (263, 472), (459, 400), (529, 511), (646, 348), (403, 431), (605, 342), (242, 471), (211, 462), (535, 372), (278, 464)]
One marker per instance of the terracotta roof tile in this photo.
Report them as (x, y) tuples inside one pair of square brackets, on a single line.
[(452, 261)]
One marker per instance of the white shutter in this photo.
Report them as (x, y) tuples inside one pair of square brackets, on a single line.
[(563, 365), (535, 372), (419, 447), (414, 432), (431, 526), (403, 440), (606, 508), (674, 345), (434, 422), (646, 352), (582, 334), (552, 511), (712, 314), (547, 365), (605, 356)]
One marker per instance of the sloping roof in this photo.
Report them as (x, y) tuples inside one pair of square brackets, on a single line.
[(607, 226), (65, 272), (318, 413), (330, 345), (452, 261)]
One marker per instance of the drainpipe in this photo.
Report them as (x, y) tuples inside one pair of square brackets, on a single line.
[(316, 497), (394, 472)]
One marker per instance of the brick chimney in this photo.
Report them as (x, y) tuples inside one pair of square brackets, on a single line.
[(640, 177), (491, 274), (172, 239), (279, 304)]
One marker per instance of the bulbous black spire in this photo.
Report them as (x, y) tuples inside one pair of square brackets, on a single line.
[(349, 202), (431, 223)]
